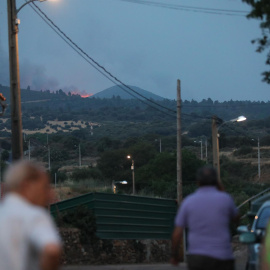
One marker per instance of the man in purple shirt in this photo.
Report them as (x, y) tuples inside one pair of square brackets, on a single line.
[(206, 214)]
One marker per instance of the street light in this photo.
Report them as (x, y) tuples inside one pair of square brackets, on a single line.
[(15, 90), (217, 123), (28, 2), (133, 174), (124, 182)]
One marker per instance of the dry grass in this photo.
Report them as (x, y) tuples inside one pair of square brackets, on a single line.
[(60, 126)]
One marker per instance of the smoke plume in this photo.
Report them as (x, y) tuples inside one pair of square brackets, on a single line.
[(30, 74)]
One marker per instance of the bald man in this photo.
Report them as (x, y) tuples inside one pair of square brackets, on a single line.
[(28, 237)]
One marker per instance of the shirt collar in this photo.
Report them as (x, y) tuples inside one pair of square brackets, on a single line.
[(207, 188), (16, 198)]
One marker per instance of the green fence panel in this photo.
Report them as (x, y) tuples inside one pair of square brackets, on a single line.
[(124, 216)]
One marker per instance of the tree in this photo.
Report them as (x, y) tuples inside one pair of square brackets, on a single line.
[(261, 10)]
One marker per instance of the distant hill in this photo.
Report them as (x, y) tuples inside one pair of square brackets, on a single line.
[(117, 91)]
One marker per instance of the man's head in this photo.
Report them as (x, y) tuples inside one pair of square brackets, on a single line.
[(207, 176), (29, 180)]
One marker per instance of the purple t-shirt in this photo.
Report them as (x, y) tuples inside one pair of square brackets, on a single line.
[(207, 214)]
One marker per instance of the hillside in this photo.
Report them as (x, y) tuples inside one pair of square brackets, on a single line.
[(117, 91), (56, 112)]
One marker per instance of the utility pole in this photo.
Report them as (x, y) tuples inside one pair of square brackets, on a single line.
[(160, 149), (80, 158), (55, 180), (259, 160), (49, 153), (15, 91), (206, 146), (29, 150), (201, 150), (215, 145), (179, 145), (49, 158)]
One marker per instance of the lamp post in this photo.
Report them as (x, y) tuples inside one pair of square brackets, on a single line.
[(133, 174), (124, 182), (15, 91), (217, 123)]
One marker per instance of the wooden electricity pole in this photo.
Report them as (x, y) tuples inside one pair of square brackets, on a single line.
[(15, 91), (179, 145)]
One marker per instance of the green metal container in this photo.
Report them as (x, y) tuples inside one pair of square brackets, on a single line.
[(124, 216)]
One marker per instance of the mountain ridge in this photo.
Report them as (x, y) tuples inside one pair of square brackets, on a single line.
[(115, 91)]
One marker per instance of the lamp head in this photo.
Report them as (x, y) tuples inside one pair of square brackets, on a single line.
[(129, 157), (241, 118), (124, 182)]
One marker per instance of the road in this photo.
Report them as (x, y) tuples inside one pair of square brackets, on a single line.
[(240, 262), (240, 265), (127, 267)]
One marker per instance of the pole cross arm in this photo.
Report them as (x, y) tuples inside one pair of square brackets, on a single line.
[(26, 3)]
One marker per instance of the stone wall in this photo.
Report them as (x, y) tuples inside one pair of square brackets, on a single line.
[(112, 251)]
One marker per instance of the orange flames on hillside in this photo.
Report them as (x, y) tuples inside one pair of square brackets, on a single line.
[(86, 96), (83, 94)]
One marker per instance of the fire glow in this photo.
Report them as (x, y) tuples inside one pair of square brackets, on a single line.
[(83, 94), (86, 96)]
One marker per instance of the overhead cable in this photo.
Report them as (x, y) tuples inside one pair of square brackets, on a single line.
[(213, 11), (104, 71), (97, 64)]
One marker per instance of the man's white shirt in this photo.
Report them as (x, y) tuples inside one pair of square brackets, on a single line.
[(25, 230)]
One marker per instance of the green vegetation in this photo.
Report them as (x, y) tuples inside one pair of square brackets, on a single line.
[(128, 127), (261, 11), (81, 218)]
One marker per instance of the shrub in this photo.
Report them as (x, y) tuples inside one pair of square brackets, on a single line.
[(81, 218), (86, 173), (243, 150)]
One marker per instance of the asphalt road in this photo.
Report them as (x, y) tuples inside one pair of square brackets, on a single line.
[(128, 267), (240, 265), (240, 262)]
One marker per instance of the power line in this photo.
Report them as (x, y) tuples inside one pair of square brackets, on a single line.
[(197, 116), (105, 73), (222, 105), (190, 8), (97, 64), (78, 52)]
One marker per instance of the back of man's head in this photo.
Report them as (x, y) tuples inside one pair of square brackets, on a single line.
[(207, 176), (20, 172)]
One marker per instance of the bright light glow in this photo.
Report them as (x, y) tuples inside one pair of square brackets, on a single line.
[(256, 217), (241, 118), (129, 157), (124, 182)]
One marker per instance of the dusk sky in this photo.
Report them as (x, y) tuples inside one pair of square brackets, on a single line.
[(145, 46)]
